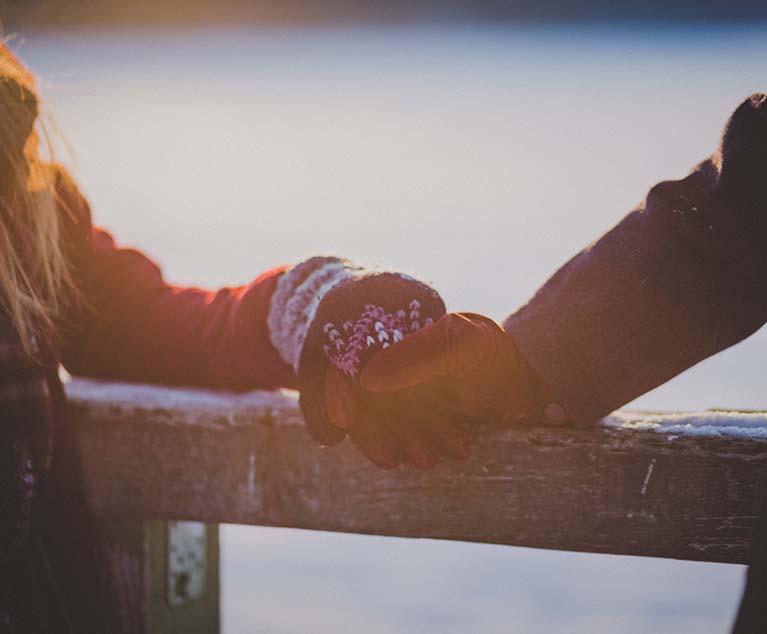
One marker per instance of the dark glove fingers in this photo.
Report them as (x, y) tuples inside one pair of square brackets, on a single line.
[(409, 413), (340, 401), (314, 410), (447, 435), (377, 443), (421, 452)]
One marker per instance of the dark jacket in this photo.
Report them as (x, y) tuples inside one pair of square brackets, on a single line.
[(680, 278)]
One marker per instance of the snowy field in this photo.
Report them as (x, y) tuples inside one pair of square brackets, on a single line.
[(478, 158)]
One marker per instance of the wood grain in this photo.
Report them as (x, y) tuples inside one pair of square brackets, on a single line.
[(637, 486)]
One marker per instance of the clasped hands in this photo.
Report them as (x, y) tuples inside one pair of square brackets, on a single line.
[(410, 399), (380, 361)]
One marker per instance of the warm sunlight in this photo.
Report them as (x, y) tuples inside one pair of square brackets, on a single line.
[(472, 146)]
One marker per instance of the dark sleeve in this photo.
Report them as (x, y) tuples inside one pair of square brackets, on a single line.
[(680, 278), (131, 325)]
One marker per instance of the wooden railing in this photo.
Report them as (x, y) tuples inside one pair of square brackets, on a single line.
[(681, 486)]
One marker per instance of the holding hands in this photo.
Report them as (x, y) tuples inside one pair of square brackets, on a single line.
[(379, 360)]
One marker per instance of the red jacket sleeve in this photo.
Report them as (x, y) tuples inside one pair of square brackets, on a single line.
[(131, 325)]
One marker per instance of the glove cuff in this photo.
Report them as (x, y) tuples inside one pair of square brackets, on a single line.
[(295, 300), (382, 309), (539, 403)]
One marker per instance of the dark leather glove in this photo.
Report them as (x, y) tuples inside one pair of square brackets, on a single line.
[(475, 367)]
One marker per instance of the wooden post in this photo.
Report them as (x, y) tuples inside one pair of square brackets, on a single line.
[(178, 572), (184, 577)]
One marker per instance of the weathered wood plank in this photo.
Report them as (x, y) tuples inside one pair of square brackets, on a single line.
[(680, 486)]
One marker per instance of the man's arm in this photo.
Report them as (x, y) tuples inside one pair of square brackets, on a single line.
[(679, 279)]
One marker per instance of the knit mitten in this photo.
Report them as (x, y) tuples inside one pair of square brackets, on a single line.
[(329, 316)]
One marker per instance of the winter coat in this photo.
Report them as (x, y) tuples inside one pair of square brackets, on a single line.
[(680, 278)]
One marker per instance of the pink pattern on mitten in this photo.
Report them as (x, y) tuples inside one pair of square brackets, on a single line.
[(351, 345)]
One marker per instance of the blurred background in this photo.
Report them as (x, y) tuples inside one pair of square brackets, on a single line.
[(476, 144)]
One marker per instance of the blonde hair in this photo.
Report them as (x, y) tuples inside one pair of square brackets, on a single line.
[(36, 283)]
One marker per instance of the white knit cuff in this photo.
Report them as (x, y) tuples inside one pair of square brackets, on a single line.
[(296, 298)]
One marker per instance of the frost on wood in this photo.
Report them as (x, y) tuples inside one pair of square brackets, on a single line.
[(184, 406)]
